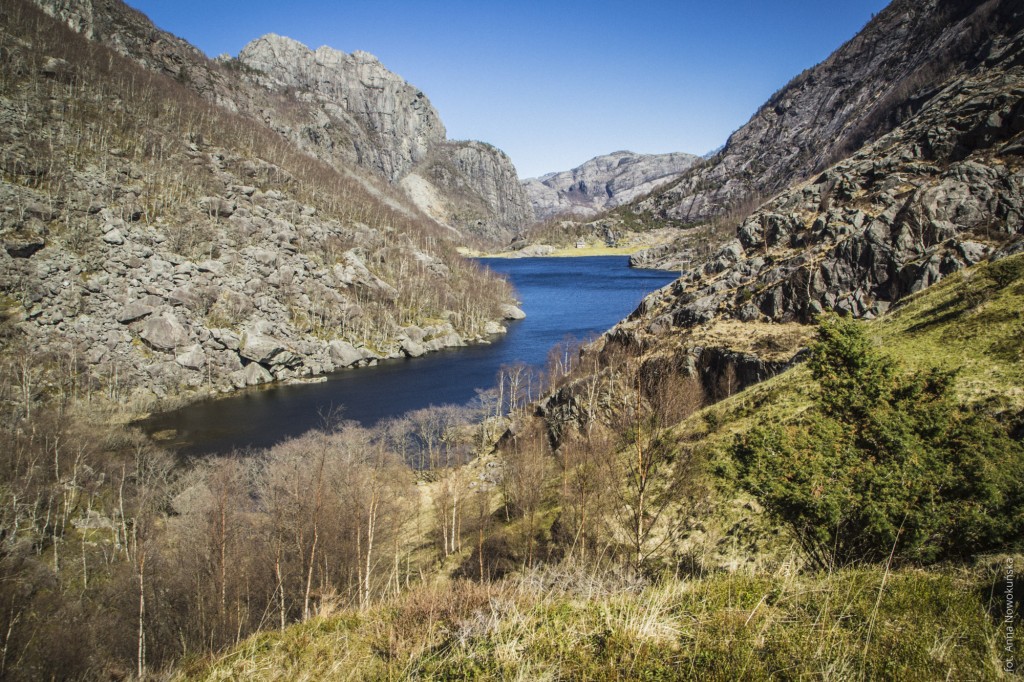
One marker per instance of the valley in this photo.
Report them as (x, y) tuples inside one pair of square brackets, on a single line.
[(295, 386)]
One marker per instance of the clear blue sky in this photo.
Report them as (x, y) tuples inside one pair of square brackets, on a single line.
[(554, 83)]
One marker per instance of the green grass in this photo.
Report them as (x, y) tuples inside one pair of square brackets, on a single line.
[(972, 322), (925, 626), (767, 621)]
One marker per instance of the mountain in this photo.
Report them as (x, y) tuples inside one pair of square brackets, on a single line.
[(473, 187), (882, 77), (181, 226), (603, 182), (942, 191), (393, 129), (347, 109)]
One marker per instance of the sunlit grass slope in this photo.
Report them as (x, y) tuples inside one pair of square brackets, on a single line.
[(765, 623)]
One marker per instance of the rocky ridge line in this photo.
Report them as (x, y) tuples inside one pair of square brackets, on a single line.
[(881, 77), (347, 109), (943, 191), (603, 182)]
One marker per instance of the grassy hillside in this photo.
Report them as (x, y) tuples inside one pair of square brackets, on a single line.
[(770, 619), (855, 624)]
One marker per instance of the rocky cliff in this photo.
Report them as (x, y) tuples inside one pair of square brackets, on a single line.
[(603, 182), (347, 109), (471, 186), (880, 78), (158, 243), (391, 124), (942, 191)]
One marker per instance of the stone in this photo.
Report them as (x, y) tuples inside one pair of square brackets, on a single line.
[(191, 357), (252, 374), (18, 246), (511, 312), (114, 237), (218, 206), (164, 332), (343, 353), (266, 350), (41, 211), (413, 349), (211, 266), (414, 333), (135, 310)]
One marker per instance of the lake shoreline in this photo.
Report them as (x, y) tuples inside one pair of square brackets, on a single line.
[(577, 298)]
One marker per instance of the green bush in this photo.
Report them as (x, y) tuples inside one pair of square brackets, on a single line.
[(885, 462)]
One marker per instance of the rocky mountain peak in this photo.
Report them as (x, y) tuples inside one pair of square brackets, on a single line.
[(398, 119), (877, 80), (603, 182)]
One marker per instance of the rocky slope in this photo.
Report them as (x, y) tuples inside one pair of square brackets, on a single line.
[(883, 76), (942, 191), (348, 109), (603, 182), (158, 243), (471, 186), (391, 123)]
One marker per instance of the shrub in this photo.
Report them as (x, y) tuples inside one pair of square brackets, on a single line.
[(885, 462)]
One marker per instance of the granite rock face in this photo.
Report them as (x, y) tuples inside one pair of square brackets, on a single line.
[(472, 187), (393, 125), (347, 109), (879, 79), (941, 192), (603, 182)]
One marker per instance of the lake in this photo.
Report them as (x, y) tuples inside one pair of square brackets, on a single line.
[(562, 297)]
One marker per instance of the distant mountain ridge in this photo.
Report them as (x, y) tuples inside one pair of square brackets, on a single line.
[(603, 182)]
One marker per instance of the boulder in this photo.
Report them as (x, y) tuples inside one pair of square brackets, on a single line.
[(114, 237), (343, 353), (164, 333), (218, 206), (412, 348), (511, 312), (37, 209), (266, 350), (192, 357), (252, 374), (23, 246), (136, 310)]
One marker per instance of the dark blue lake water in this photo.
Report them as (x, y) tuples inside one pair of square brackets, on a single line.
[(577, 297)]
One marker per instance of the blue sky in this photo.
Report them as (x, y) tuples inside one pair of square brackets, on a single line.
[(555, 83)]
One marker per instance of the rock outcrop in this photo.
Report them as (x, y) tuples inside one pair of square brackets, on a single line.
[(472, 187), (392, 124), (603, 182), (942, 191), (886, 74)]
